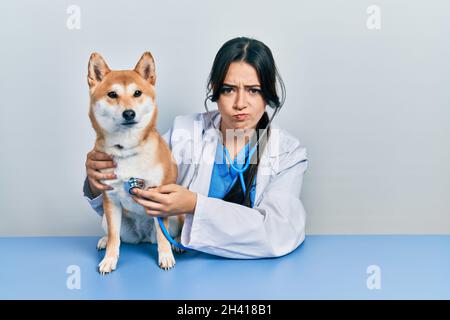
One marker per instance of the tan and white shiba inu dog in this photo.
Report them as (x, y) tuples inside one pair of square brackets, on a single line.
[(123, 114)]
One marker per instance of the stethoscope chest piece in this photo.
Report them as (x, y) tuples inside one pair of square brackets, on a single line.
[(134, 183)]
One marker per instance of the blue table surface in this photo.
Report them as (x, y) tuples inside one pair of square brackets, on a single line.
[(323, 267)]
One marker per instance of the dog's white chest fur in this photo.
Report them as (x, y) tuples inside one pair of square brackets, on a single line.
[(139, 162)]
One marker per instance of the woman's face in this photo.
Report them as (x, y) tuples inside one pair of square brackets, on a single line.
[(240, 95)]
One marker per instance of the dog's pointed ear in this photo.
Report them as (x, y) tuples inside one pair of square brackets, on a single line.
[(146, 68), (97, 69)]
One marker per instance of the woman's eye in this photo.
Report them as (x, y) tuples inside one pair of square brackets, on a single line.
[(112, 94), (226, 90), (137, 93), (255, 91)]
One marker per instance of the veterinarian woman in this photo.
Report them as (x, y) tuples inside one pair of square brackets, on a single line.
[(254, 216)]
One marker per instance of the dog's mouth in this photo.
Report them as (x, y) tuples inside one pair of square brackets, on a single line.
[(128, 123)]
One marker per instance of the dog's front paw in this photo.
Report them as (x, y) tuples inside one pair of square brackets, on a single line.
[(166, 260), (102, 243), (107, 265)]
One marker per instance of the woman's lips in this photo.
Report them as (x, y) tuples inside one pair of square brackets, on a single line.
[(241, 116)]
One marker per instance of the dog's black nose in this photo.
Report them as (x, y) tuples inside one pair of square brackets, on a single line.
[(128, 115)]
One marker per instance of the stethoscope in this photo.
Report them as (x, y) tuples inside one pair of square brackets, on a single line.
[(137, 183), (239, 171)]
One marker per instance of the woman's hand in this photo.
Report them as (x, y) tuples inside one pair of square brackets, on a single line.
[(95, 161), (166, 200)]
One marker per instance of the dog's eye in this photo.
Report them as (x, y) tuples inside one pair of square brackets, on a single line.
[(137, 93), (112, 94)]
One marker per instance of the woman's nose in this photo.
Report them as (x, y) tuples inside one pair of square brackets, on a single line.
[(240, 100)]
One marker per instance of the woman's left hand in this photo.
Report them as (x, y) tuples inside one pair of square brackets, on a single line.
[(166, 200)]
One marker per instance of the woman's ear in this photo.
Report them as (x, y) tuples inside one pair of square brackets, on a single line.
[(146, 68)]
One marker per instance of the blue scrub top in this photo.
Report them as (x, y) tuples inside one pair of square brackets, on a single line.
[(224, 177)]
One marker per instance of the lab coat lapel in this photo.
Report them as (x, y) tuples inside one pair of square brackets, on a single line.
[(268, 163), (205, 160)]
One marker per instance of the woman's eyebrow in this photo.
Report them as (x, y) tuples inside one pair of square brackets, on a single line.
[(247, 86)]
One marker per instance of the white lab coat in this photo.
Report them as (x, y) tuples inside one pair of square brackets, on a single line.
[(275, 226)]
